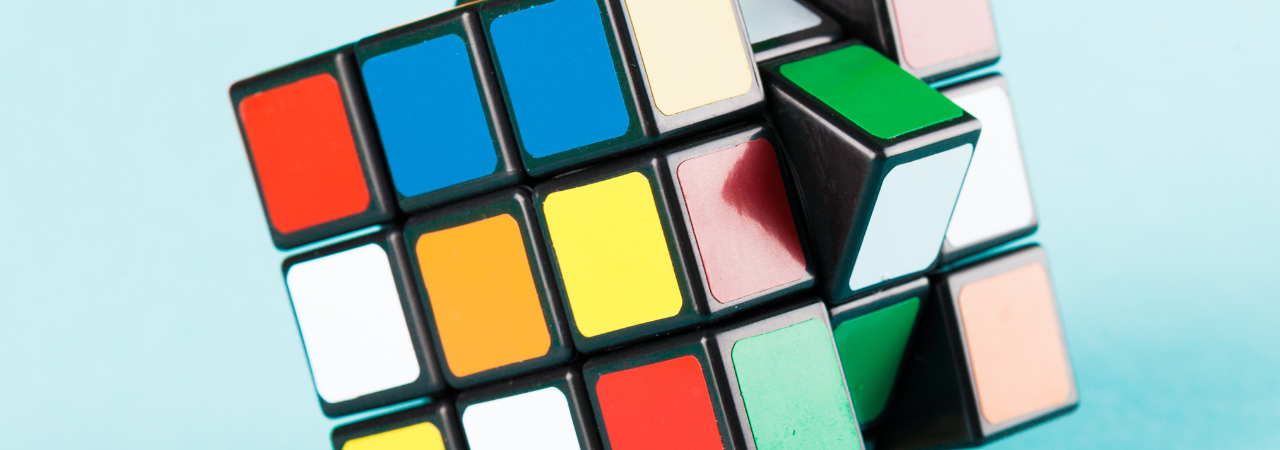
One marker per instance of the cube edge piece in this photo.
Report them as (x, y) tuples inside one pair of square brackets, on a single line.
[(340, 64), (561, 350), (430, 379)]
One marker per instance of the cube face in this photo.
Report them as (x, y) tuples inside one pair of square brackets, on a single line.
[(778, 27), (613, 247), (668, 394), (485, 280), (308, 141), (870, 91), (1017, 351), (995, 204), (936, 33), (714, 77), (871, 337), (739, 216), (430, 427), (560, 68), (438, 111), (360, 326), (546, 412), (778, 407), (910, 218)]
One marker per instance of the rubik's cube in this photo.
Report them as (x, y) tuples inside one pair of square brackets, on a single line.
[(659, 224)]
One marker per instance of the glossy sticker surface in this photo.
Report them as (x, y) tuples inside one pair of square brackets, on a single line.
[(871, 348), (538, 420), (692, 51), (996, 197), (937, 31), (661, 405)]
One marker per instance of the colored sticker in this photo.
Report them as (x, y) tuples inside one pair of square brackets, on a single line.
[(871, 348)]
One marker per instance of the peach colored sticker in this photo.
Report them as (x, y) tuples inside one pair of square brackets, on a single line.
[(1015, 343), (936, 31)]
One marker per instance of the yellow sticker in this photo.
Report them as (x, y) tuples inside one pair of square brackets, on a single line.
[(422, 436)]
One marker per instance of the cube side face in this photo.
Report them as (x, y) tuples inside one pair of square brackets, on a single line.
[(551, 409), (491, 304), (780, 27), (435, 102), (665, 395), (995, 204), (690, 86), (763, 361), (312, 149), (616, 254), (361, 326), (872, 335), (940, 39), (430, 427), (570, 97), (740, 213), (1016, 353)]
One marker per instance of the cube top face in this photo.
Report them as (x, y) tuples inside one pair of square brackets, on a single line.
[(778, 27), (431, 427), (739, 217), (543, 412), (871, 336), (660, 396), (870, 91), (492, 309), (909, 219), (786, 376), (1016, 351), (995, 204), (308, 144), (689, 83), (360, 328), (936, 37), (569, 94), (613, 247), (438, 110)]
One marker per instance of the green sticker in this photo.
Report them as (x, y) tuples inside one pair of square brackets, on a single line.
[(871, 91), (792, 390), (871, 348)]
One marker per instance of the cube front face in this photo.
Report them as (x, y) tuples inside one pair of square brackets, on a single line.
[(569, 94), (616, 258), (361, 330), (431, 427), (491, 305), (937, 38), (1017, 354), (546, 412), (663, 397), (778, 27), (437, 108), (740, 218), (311, 151), (687, 83), (871, 337), (787, 383), (995, 204), (880, 180)]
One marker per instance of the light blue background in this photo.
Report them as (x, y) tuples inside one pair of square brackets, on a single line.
[(142, 307)]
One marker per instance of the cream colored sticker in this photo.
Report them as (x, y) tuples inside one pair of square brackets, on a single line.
[(692, 50)]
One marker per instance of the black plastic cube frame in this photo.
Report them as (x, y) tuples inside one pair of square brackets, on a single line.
[(826, 32), (726, 337), (567, 379), (694, 309), (516, 202), (840, 168), (440, 413), (430, 380), (724, 140), (700, 345), (639, 133), (339, 63), (874, 21), (465, 23), (938, 404), (875, 302), (951, 253)]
